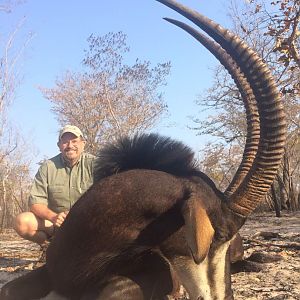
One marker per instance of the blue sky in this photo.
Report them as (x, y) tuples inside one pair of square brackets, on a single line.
[(60, 31)]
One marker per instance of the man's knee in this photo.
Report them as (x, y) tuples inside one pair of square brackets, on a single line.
[(25, 224)]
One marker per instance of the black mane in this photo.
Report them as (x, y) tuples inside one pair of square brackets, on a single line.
[(145, 151)]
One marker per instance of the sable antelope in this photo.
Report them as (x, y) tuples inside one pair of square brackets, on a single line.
[(151, 211)]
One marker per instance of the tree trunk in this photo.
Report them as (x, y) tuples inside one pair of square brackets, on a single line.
[(4, 207), (276, 201)]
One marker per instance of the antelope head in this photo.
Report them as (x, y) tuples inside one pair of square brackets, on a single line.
[(207, 277), (208, 227)]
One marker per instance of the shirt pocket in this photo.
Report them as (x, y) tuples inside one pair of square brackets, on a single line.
[(56, 189), (56, 197)]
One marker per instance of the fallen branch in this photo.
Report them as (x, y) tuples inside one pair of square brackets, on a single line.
[(291, 245)]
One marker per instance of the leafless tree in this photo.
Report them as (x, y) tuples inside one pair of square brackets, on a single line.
[(110, 98), (14, 162), (7, 6), (15, 181)]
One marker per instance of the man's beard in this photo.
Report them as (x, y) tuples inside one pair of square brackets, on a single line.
[(71, 154)]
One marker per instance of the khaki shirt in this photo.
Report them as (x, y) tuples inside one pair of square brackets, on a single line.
[(59, 186)]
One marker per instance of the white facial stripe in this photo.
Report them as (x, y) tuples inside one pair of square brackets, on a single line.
[(206, 280), (202, 271), (193, 277), (219, 263)]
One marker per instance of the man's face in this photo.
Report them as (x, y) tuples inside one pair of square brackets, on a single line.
[(71, 147)]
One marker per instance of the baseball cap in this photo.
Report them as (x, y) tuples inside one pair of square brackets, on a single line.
[(72, 129)]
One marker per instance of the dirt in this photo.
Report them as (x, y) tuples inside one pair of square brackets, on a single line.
[(279, 279), (277, 264)]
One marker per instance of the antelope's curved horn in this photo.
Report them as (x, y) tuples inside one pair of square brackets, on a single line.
[(253, 126), (272, 118)]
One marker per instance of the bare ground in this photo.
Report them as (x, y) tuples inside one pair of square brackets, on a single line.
[(278, 239)]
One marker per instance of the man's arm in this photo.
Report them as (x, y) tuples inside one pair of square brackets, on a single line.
[(44, 213), (38, 199)]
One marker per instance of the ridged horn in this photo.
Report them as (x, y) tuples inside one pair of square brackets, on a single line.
[(272, 118), (253, 127)]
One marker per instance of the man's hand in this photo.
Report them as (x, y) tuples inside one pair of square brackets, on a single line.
[(59, 218), (44, 213)]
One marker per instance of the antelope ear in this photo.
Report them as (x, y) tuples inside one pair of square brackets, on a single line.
[(198, 229)]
